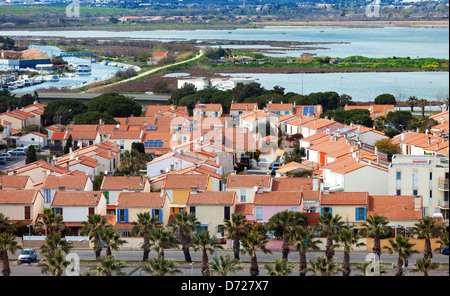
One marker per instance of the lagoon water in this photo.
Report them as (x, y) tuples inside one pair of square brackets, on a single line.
[(384, 41)]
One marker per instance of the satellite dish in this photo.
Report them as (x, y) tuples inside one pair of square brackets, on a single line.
[(354, 154), (351, 149), (48, 172), (106, 172), (201, 139), (255, 188)]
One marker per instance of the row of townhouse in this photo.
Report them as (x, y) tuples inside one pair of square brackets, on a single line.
[(212, 207)]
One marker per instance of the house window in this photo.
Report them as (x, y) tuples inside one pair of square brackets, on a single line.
[(243, 195), (47, 196), (259, 213), (122, 215), (156, 212), (27, 213), (58, 211), (192, 209), (398, 179), (415, 176), (326, 210), (226, 213), (360, 214), (431, 179), (91, 211), (399, 192), (415, 192), (122, 144), (293, 209), (201, 228), (431, 197)]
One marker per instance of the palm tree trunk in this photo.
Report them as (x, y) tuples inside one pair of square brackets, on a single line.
[(108, 251), (185, 248), (427, 250), (377, 244), (145, 250), (236, 246), (329, 252), (285, 248), (302, 263), (346, 264), (399, 266), (6, 270), (161, 254), (205, 269), (254, 270)]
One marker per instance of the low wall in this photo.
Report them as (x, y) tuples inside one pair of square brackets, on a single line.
[(419, 243)]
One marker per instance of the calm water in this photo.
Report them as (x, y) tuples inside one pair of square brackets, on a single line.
[(371, 42)]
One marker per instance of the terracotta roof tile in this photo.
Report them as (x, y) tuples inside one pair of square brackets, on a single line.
[(14, 181), (76, 198), (344, 198), (174, 181), (394, 207), (140, 200), (18, 196), (120, 182), (248, 181)]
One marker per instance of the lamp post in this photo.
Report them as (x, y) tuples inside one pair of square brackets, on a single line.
[(192, 268), (29, 235)]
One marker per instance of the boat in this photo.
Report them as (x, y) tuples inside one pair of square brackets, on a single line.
[(20, 84), (84, 69), (28, 82)]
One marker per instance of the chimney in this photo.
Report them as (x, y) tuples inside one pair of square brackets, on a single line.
[(109, 152), (14, 173), (403, 137), (126, 189), (315, 186), (95, 198), (67, 167)]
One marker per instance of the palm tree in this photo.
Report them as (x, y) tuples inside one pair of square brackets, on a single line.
[(443, 242), (112, 240), (8, 243), (347, 240), (224, 265), (142, 227), (328, 225), (54, 263), (404, 248), (185, 224), (162, 239), (250, 244), (422, 104), (322, 266), (237, 228), (107, 267), (51, 223), (412, 101), (376, 225), (160, 267), (5, 226), (366, 268), (132, 161), (206, 244), (281, 223), (424, 265), (55, 242), (282, 267), (427, 228), (93, 227), (303, 239)]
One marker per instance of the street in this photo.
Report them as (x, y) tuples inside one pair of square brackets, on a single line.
[(132, 258)]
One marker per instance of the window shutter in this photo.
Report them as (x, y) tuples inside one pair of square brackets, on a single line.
[(60, 211), (160, 216), (27, 213), (321, 211), (117, 215), (126, 215), (365, 213), (356, 214), (153, 213)]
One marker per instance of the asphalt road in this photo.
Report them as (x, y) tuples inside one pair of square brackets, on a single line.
[(132, 256), (17, 161)]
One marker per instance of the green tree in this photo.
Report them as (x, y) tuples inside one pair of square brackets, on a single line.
[(62, 111), (107, 266), (347, 240), (329, 226), (250, 245), (443, 242), (93, 117), (224, 265), (385, 99), (304, 239), (69, 144), (54, 264), (321, 266), (54, 242), (399, 119), (281, 267), (162, 239), (376, 226), (160, 87), (160, 267), (142, 227), (97, 182), (403, 248), (93, 227), (386, 146), (185, 224), (424, 265), (5, 226), (115, 104), (9, 244), (205, 243), (112, 240), (412, 101), (422, 103), (132, 162), (31, 155), (426, 229), (237, 228)]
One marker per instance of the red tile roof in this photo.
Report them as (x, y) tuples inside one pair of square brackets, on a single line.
[(140, 200)]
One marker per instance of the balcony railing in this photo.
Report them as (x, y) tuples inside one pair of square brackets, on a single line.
[(443, 184), (443, 204)]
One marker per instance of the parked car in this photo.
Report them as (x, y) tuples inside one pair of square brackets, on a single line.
[(6, 156), (2, 161), (274, 165), (445, 251), (18, 151), (28, 255), (262, 161)]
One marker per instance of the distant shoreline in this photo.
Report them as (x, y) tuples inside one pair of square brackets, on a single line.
[(262, 25)]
